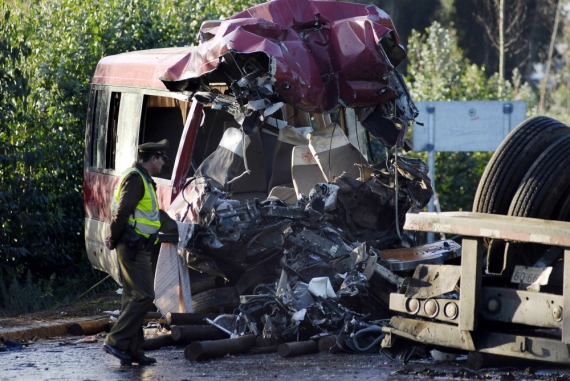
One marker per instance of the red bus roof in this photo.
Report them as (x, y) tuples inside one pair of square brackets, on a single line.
[(139, 68)]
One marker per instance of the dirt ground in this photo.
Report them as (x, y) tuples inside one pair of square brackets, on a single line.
[(94, 305)]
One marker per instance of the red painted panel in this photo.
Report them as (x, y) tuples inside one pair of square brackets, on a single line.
[(139, 68), (164, 194), (325, 53), (98, 194), (187, 148)]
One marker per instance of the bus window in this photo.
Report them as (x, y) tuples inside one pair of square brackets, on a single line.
[(127, 131), (99, 129), (103, 139), (163, 118), (111, 136)]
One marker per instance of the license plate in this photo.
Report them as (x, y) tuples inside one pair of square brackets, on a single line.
[(531, 275)]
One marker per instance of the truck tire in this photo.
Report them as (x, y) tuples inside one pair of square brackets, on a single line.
[(512, 160), (544, 190), (200, 282), (217, 300)]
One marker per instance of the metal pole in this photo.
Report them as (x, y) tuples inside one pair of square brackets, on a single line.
[(431, 160), (507, 114), (92, 288)]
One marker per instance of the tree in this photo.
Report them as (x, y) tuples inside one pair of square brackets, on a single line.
[(49, 51), (503, 22), (530, 39), (555, 96), (437, 71), (544, 81)]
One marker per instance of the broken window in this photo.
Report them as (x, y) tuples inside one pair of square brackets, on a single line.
[(163, 118), (210, 133), (102, 147), (90, 137), (111, 134)]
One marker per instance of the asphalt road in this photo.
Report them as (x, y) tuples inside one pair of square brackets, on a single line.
[(49, 360)]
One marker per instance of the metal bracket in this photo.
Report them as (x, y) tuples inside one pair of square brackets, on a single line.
[(389, 339), (520, 344)]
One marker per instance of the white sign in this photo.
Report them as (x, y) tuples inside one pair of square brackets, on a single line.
[(465, 126)]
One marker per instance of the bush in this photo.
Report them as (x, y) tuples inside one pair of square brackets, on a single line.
[(49, 51), (28, 296)]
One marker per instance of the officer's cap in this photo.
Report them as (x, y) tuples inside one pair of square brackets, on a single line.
[(159, 148)]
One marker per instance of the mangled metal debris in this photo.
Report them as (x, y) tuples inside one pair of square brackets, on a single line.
[(326, 246), (305, 256), (315, 56)]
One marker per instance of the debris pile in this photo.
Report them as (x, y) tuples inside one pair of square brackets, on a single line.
[(303, 270), (311, 258)]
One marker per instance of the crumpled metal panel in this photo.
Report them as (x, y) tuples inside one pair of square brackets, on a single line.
[(320, 54), (430, 281), (409, 258)]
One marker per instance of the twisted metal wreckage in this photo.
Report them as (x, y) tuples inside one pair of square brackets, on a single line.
[(303, 260)]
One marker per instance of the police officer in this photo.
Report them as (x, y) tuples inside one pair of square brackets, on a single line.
[(135, 204)]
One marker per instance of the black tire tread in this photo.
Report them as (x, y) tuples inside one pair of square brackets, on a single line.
[(512, 159), (545, 183), (216, 300)]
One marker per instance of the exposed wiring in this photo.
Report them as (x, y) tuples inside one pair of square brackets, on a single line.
[(396, 191), (330, 147), (371, 345), (396, 179)]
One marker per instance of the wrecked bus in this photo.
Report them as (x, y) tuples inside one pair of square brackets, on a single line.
[(263, 79), (271, 118)]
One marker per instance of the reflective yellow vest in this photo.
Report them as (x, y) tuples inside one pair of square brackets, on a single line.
[(146, 219)]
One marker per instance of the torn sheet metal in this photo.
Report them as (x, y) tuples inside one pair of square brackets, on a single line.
[(371, 203), (430, 281), (309, 245), (410, 258), (332, 234), (319, 54), (334, 153), (195, 202), (316, 56), (363, 258)]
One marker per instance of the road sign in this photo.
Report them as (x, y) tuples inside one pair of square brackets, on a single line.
[(463, 126), (466, 126)]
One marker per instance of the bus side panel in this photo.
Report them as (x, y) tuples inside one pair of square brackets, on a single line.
[(100, 257), (98, 194), (164, 194)]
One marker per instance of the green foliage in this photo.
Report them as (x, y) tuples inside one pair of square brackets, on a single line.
[(437, 71), (559, 103), (28, 296), (48, 53)]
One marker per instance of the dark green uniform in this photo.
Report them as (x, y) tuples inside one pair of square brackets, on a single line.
[(138, 288)]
